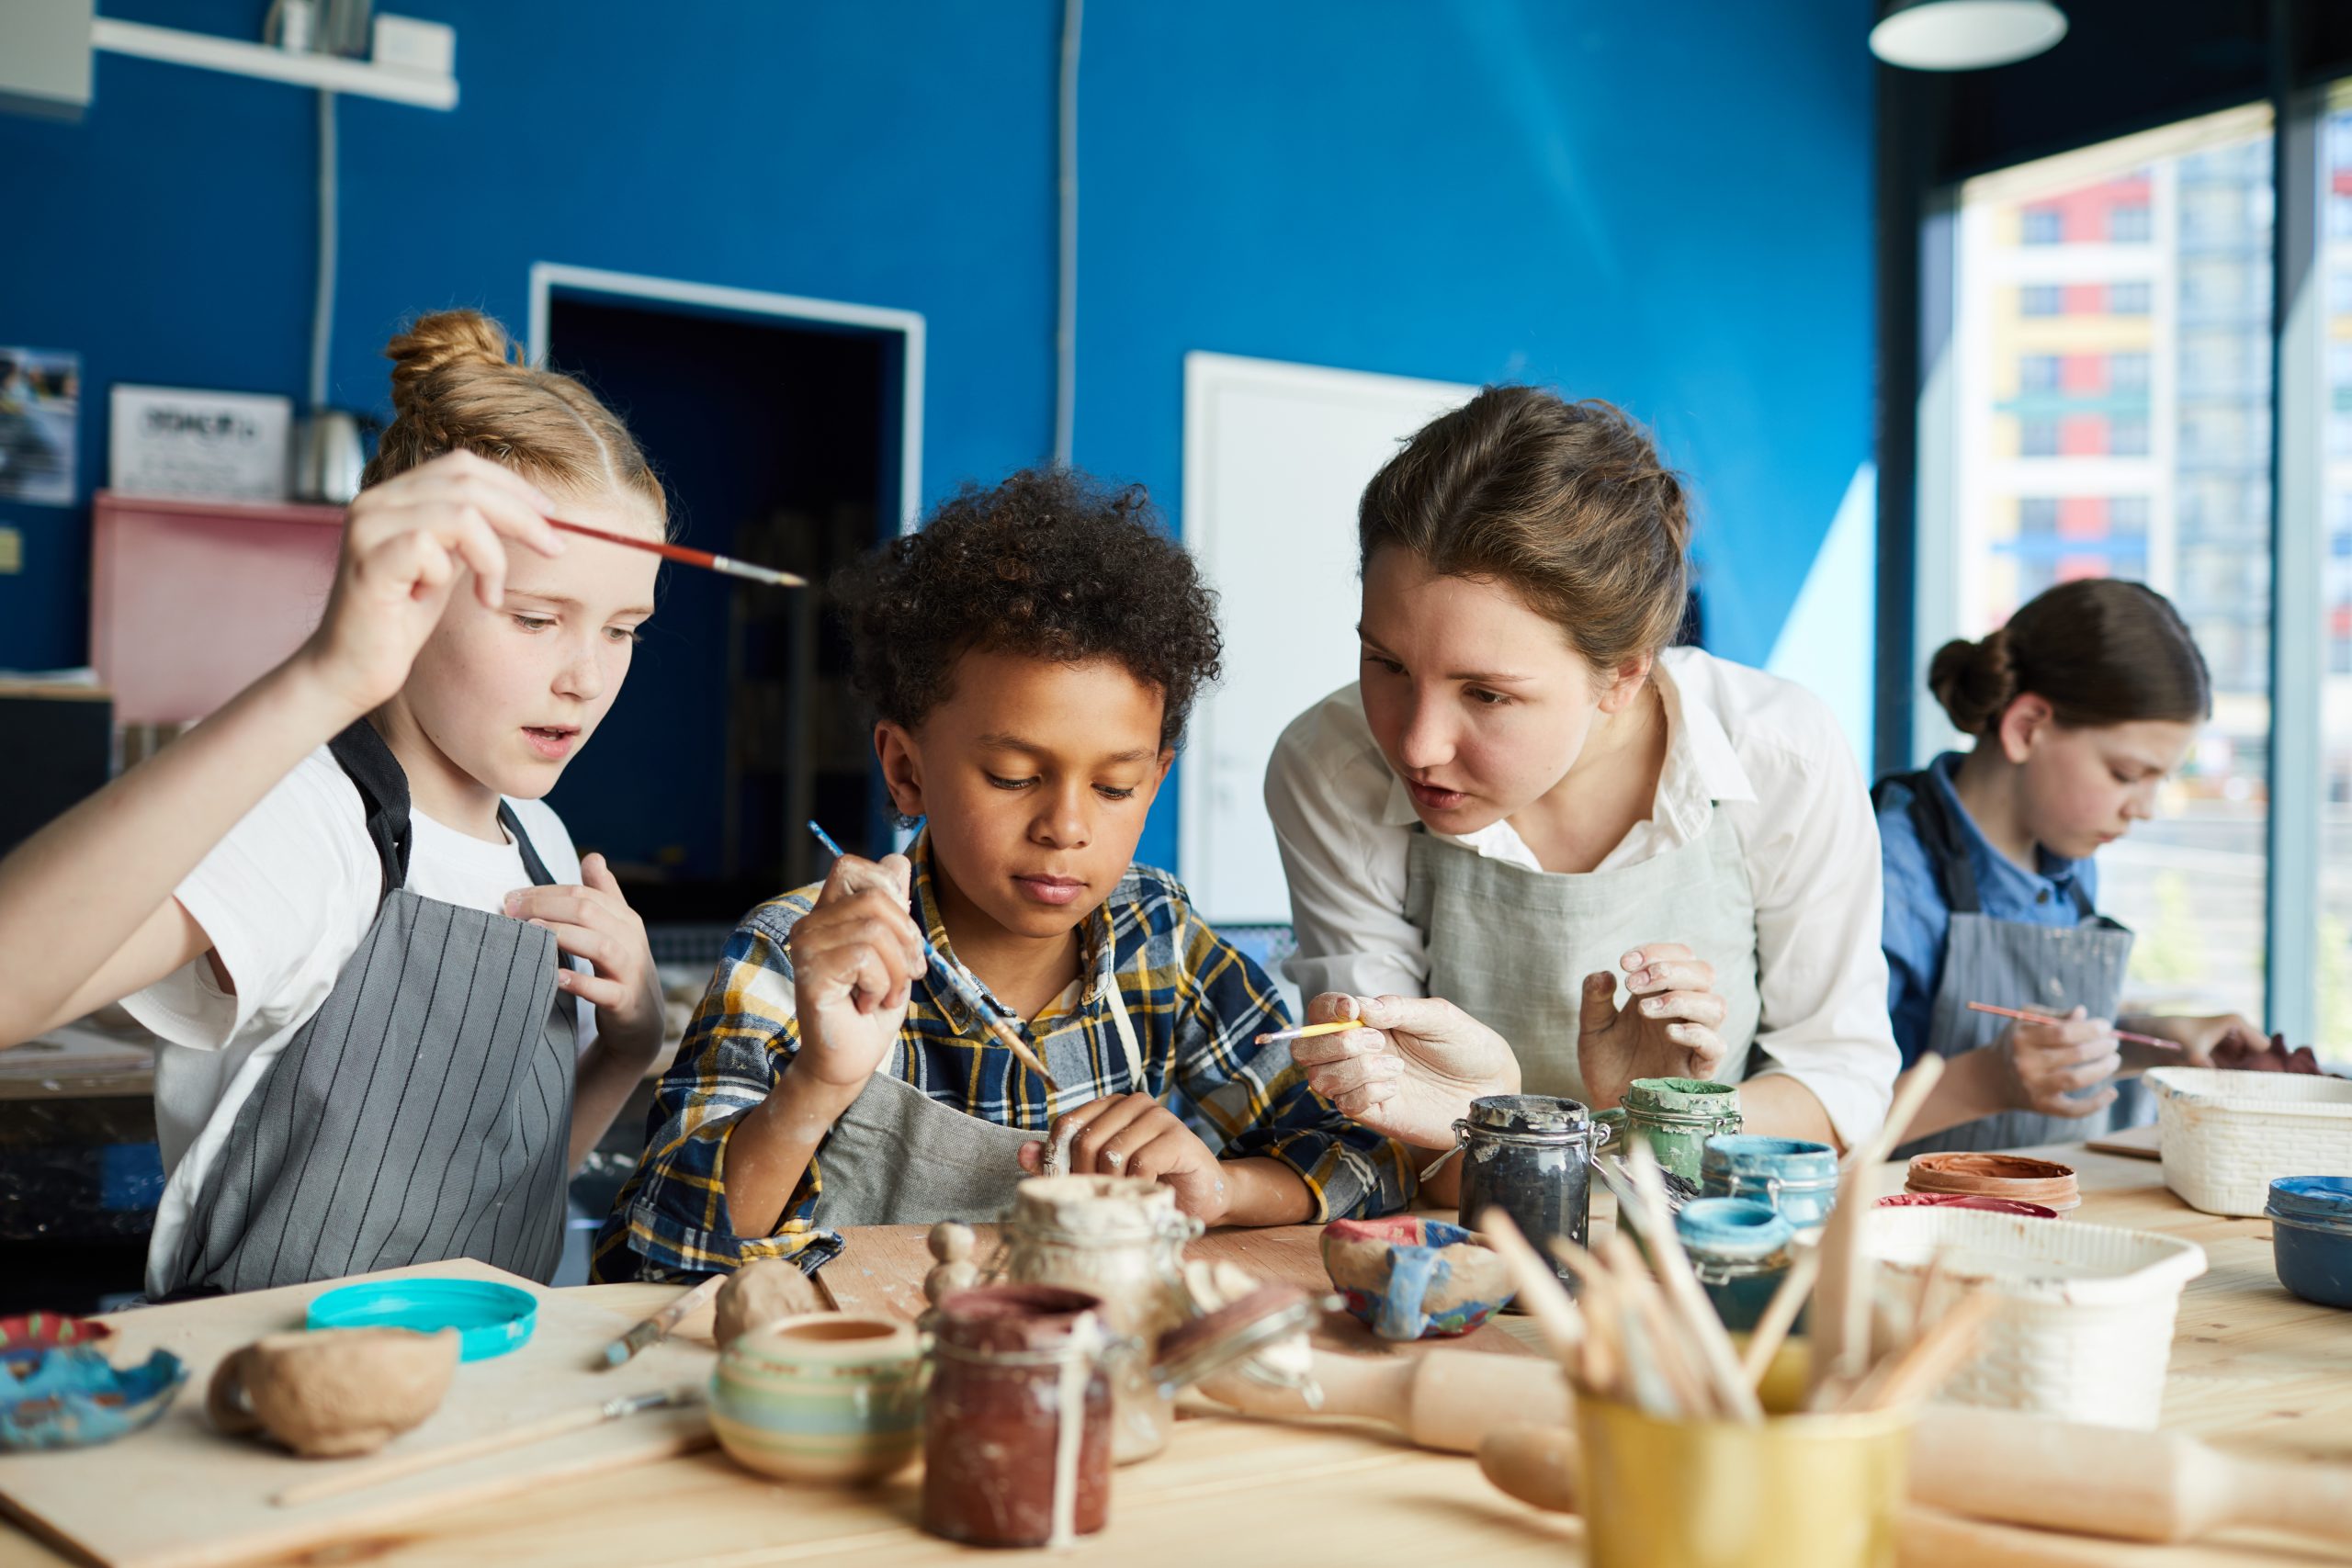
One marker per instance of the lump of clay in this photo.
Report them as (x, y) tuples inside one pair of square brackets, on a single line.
[(759, 1294), (333, 1393), (2240, 1051), (951, 1248)]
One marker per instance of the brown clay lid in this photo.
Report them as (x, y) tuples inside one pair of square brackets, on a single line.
[(1996, 1176)]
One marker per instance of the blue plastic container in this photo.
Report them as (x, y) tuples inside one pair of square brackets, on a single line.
[(1739, 1249), (1797, 1178), (491, 1319), (2310, 1237)]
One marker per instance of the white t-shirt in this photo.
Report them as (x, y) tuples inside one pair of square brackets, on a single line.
[(286, 898), (1760, 747)]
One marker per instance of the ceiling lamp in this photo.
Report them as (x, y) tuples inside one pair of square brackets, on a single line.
[(1965, 35)]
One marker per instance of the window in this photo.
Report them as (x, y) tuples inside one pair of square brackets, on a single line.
[(2159, 471)]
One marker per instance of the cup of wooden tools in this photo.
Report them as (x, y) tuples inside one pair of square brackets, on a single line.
[(1694, 1452)]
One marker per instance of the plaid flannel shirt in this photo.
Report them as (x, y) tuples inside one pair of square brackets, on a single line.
[(1196, 1004)]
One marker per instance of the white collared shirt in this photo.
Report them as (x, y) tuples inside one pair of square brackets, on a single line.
[(1762, 750)]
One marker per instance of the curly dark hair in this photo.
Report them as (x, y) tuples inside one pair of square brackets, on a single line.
[(1050, 564)]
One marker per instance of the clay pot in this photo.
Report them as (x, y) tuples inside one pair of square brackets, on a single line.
[(1011, 1366), (760, 1294), (2041, 1181), (329, 1393), (1408, 1277), (824, 1396)]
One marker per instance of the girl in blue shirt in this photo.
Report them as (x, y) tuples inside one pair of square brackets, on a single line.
[(2081, 707)]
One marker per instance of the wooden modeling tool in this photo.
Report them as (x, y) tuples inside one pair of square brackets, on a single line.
[(529, 1432), (968, 989), (1841, 1322), (659, 1325), (1780, 1313), (1555, 1314), (1914, 1373), (2026, 1016), (687, 555), (1686, 1301), (1337, 1026)]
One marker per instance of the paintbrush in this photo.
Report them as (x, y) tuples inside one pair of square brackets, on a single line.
[(966, 987), (659, 1324), (2023, 1016), (1336, 1026), (1840, 1324), (1684, 1298), (687, 555)]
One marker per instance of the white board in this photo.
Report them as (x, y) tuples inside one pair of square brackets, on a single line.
[(1275, 458)]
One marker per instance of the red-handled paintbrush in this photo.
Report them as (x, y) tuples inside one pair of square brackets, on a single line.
[(727, 564)]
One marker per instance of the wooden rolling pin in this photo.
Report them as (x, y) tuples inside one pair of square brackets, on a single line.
[(2021, 1470)]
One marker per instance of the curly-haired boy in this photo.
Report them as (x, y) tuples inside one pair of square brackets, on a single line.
[(1032, 655)]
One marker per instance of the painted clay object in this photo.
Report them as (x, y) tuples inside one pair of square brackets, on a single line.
[(2041, 1181), (2241, 1052), (1017, 1445), (61, 1392), (825, 1396), (1409, 1277), (331, 1394), (760, 1294), (1530, 1155), (1121, 1239), (952, 1267)]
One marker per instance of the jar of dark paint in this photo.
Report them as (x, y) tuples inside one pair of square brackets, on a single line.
[(1739, 1249), (1016, 1440), (1797, 1178), (1530, 1155), (2310, 1237)]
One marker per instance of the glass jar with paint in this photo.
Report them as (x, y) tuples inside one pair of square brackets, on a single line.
[(1530, 1155), (1676, 1116), (1016, 1438), (1791, 1175), (1120, 1239), (1739, 1249)]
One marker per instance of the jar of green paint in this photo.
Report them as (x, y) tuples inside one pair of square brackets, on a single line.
[(1677, 1116), (1739, 1249)]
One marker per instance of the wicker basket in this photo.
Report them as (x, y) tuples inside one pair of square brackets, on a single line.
[(2086, 1332), (2226, 1136)]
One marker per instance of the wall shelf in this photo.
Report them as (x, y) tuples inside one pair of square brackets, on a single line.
[(328, 73)]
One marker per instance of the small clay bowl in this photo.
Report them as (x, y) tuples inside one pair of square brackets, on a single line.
[(824, 1396), (2041, 1181), (1409, 1277), (1965, 1201)]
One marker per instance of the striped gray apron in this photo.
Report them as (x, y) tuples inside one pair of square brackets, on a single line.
[(2014, 964), (424, 1110)]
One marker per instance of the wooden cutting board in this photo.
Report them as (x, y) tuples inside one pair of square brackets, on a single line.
[(181, 1495), (2136, 1143)]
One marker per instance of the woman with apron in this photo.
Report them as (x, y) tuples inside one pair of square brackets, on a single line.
[(340, 903), (2081, 707), (1528, 792)]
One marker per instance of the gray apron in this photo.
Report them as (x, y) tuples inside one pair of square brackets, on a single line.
[(424, 1110), (1511, 946), (899, 1157), (2014, 964)]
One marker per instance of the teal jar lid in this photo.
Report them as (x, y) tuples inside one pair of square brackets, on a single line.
[(2312, 1199), (1732, 1229), (491, 1319), (1793, 1162)]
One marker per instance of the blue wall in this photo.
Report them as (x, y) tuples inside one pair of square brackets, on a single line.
[(1668, 205)]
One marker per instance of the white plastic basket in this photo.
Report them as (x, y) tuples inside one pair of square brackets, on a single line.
[(2227, 1135), (2084, 1333)]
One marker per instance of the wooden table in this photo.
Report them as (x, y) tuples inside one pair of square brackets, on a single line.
[(2253, 1369)]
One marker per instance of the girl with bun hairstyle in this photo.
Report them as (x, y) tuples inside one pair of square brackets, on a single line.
[(2080, 707), (396, 1007), (1612, 858)]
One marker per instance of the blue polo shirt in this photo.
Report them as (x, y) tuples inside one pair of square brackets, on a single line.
[(1917, 917)]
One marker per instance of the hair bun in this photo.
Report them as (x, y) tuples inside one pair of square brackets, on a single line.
[(443, 341), (1973, 681)]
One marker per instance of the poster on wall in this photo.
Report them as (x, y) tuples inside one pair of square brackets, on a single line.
[(40, 393), (171, 441)]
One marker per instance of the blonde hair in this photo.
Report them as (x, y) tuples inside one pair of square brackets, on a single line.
[(459, 384), (1568, 503)]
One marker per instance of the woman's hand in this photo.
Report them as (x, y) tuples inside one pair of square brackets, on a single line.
[(2045, 1064), (2197, 1037), (1665, 1030), (593, 922), (1411, 1071), (856, 957), (405, 542), (1134, 1135)]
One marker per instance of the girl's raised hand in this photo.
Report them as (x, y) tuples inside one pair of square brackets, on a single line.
[(592, 920), (405, 542)]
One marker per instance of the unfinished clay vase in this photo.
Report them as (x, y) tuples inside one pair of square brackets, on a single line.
[(760, 1294), (333, 1393)]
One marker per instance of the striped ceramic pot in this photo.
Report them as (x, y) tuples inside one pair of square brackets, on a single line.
[(823, 1396)]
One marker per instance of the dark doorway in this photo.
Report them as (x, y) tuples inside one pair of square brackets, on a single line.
[(779, 442)]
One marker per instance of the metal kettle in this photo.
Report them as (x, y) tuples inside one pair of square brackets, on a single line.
[(329, 457)]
